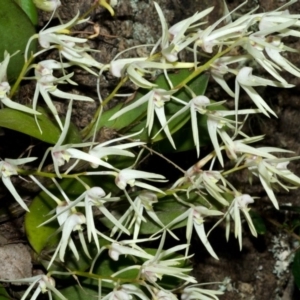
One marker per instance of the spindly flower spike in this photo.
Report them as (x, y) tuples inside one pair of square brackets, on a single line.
[(43, 284), (240, 203), (5, 89), (8, 168)]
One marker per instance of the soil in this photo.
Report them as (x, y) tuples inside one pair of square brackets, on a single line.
[(251, 270)]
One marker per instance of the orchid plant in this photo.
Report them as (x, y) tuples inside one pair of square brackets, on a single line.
[(84, 212)]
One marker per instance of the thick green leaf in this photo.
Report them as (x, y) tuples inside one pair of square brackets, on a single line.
[(30, 10), (296, 268), (15, 30), (44, 237), (25, 123), (3, 293), (258, 222)]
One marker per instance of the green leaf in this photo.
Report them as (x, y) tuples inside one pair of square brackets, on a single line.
[(30, 9), (41, 238), (3, 293), (296, 268), (16, 28), (25, 123), (258, 222)]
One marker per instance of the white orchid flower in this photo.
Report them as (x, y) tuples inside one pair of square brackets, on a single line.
[(194, 291), (173, 40), (46, 85), (280, 22), (273, 51), (47, 5), (120, 248), (63, 153), (136, 68), (269, 170), (5, 89), (69, 220), (157, 266), (156, 99), (96, 197), (210, 181), (42, 283), (218, 121), (247, 81), (163, 295), (128, 177), (103, 150), (272, 25), (73, 223), (9, 168), (57, 36), (240, 203), (225, 35), (196, 105), (220, 67), (125, 292), (143, 202), (195, 219), (78, 55)]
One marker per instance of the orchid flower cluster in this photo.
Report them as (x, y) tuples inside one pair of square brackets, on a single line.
[(201, 194)]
